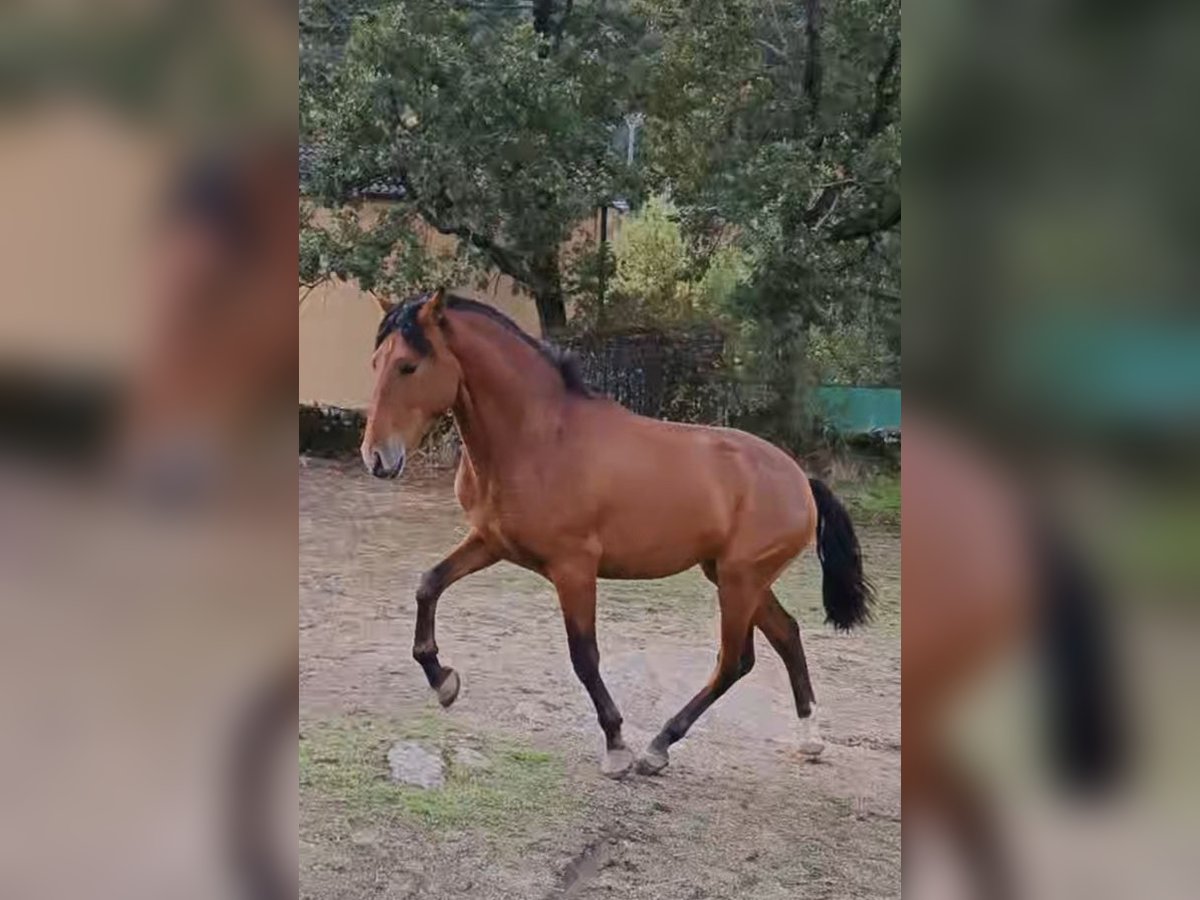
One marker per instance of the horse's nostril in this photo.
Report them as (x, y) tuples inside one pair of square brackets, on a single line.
[(377, 468)]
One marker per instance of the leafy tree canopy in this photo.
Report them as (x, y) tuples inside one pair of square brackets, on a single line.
[(771, 128), (497, 128)]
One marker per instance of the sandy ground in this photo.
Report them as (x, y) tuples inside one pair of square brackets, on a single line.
[(738, 814)]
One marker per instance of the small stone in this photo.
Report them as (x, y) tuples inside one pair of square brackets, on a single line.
[(365, 837), (470, 758), (413, 764)]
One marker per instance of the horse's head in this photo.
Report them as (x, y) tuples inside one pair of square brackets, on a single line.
[(416, 380)]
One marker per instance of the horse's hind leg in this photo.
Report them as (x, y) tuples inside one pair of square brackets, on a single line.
[(784, 634), (738, 599), (746, 663), (469, 556)]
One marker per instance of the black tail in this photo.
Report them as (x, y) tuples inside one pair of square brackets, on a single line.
[(848, 594), (1088, 725)]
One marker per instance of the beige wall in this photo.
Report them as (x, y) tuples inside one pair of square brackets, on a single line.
[(337, 331), (79, 189), (338, 324)]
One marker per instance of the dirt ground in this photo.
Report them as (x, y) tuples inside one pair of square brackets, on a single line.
[(738, 814)]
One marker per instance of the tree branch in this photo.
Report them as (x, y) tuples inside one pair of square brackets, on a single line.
[(825, 201), (812, 62), (777, 51), (310, 287), (886, 90), (507, 261), (884, 217)]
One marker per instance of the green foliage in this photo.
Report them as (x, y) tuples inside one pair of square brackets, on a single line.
[(189, 67), (788, 148), (777, 143), (651, 259), (875, 500), (384, 255), (588, 282), (728, 269), (850, 347), (497, 133), (653, 277)]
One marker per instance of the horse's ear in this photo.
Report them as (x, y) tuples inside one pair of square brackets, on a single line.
[(386, 305), (435, 308)]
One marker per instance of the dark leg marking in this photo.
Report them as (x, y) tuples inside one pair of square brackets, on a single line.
[(735, 660), (784, 634), (469, 556), (746, 661), (585, 659), (677, 726), (425, 649), (577, 597)]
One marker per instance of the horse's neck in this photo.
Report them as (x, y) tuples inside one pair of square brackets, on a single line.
[(506, 405)]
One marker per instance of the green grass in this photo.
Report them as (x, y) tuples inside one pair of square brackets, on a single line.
[(1154, 545), (875, 501), (344, 763)]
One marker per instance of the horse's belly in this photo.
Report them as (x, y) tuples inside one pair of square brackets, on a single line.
[(647, 567), (660, 528), (656, 552)]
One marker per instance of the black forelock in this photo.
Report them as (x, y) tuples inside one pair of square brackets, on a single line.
[(403, 318)]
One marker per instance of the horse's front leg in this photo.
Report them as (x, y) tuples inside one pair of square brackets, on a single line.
[(576, 586), (469, 556)]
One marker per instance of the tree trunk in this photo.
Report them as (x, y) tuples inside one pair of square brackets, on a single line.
[(543, 16), (548, 293), (552, 310), (812, 59), (602, 275)]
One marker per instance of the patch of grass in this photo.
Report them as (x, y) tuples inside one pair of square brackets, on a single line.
[(344, 762), (875, 501), (1155, 547)]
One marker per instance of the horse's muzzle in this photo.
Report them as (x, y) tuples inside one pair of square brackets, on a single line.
[(385, 462)]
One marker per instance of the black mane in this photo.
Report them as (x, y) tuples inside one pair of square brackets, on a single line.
[(403, 318)]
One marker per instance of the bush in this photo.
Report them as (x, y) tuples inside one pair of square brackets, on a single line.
[(650, 277), (850, 349)]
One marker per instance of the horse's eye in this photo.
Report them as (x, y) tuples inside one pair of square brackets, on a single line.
[(406, 368)]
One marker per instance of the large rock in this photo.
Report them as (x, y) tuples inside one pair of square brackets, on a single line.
[(412, 764), (470, 758)]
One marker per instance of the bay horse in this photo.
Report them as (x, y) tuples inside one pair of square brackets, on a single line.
[(575, 487)]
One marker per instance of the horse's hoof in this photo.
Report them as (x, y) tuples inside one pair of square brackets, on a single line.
[(617, 763), (652, 761), (811, 744), (447, 691)]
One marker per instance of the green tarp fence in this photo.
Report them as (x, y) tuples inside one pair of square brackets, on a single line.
[(858, 410)]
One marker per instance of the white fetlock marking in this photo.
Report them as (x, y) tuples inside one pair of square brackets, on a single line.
[(811, 741)]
